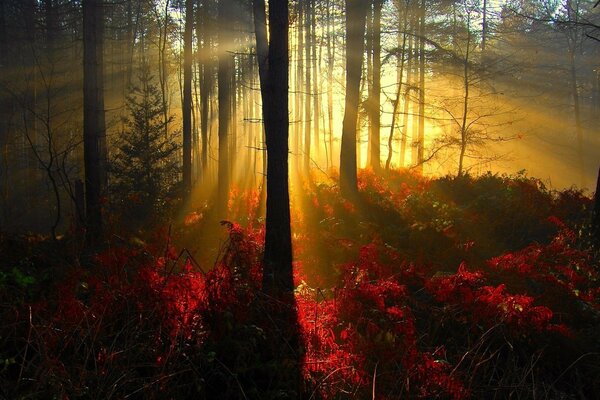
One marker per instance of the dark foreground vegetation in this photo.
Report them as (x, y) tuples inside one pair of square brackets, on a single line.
[(448, 288)]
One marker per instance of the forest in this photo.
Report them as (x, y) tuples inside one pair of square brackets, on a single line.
[(299, 199)]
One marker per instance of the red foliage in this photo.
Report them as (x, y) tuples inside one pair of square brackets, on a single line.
[(559, 264), (490, 305), (365, 330), (367, 333)]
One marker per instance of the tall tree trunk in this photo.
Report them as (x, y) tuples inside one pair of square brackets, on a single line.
[(163, 74), (330, 62), (421, 148), (573, 17), (233, 125), (4, 117), (414, 82), (577, 115), (399, 77), (368, 103), (375, 96), (356, 14), (94, 130), (277, 275), (316, 63), (463, 127), (405, 117), (187, 97), (204, 34), (224, 99), (410, 82), (308, 86), (278, 271), (299, 84)]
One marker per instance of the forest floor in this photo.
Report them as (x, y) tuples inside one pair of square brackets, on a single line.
[(456, 288)]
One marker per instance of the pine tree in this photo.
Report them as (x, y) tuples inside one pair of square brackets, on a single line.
[(145, 168)]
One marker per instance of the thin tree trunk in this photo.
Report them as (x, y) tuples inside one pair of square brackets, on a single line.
[(299, 83), (421, 148), (224, 99), (307, 87), (316, 62), (204, 35), (187, 97), (330, 61), (375, 98), (463, 127), (577, 115), (400, 74), (368, 104), (163, 74)]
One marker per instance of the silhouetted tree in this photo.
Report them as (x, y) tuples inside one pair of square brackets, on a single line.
[(94, 129), (145, 169), (225, 70), (356, 14), (273, 70), (187, 97)]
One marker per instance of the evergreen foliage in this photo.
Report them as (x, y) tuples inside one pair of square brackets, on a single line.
[(145, 169)]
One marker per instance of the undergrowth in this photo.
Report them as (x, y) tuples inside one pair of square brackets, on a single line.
[(450, 288)]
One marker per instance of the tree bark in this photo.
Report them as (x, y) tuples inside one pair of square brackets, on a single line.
[(316, 63), (375, 96), (421, 142), (94, 130), (163, 75), (277, 274), (356, 14), (463, 128), (187, 98), (400, 75), (298, 129), (330, 63), (405, 112), (307, 87), (204, 34), (224, 100)]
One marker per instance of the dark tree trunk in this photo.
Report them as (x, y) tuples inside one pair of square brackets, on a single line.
[(298, 129), (463, 127), (224, 99), (204, 34), (277, 274), (94, 130), (330, 64), (577, 115), (368, 82), (400, 75), (356, 14), (315, 89), (187, 97), (307, 87), (405, 112), (283, 344), (375, 95), (421, 141), (4, 118)]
